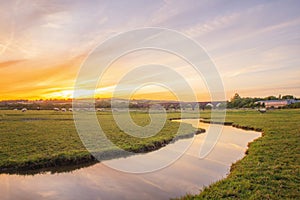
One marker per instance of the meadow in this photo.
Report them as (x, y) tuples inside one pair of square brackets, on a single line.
[(41, 139), (271, 169)]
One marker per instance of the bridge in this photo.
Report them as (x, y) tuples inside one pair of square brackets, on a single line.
[(183, 105)]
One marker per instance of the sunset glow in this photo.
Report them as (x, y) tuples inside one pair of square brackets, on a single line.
[(255, 45)]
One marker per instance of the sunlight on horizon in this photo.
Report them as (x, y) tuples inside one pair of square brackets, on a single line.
[(42, 46)]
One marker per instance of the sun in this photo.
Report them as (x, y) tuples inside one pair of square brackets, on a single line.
[(63, 94)]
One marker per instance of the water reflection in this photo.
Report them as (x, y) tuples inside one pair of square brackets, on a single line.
[(52, 170), (188, 175)]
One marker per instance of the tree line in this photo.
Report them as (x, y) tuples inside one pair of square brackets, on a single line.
[(235, 102), (251, 102)]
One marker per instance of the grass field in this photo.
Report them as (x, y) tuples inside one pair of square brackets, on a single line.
[(39, 139), (271, 169)]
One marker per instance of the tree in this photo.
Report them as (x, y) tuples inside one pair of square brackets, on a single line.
[(236, 97), (236, 100), (288, 97), (271, 98)]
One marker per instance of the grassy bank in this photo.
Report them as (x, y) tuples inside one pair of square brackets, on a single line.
[(43, 139), (271, 169)]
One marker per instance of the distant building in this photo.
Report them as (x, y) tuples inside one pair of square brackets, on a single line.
[(278, 103)]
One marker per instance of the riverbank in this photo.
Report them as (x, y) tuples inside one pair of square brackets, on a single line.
[(121, 178), (41, 141), (269, 171), (271, 168)]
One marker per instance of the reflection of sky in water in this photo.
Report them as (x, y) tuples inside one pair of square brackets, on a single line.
[(187, 175)]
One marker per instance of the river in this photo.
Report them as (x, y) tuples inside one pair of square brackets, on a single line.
[(187, 175)]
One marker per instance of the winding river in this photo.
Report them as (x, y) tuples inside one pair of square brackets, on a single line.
[(187, 175)]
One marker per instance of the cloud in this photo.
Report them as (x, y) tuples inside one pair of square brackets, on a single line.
[(168, 11), (244, 38), (51, 25), (251, 69), (212, 25), (11, 63)]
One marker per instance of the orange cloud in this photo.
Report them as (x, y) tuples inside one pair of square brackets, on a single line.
[(24, 79), (10, 63)]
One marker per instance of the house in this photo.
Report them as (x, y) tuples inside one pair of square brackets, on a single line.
[(277, 103)]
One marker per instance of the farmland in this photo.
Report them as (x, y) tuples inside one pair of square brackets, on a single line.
[(39, 139)]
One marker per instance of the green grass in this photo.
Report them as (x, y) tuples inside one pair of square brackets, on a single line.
[(38, 139), (271, 169)]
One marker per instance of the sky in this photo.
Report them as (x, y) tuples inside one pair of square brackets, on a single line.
[(255, 45)]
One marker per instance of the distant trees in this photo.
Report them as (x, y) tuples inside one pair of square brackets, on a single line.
[(248, 102), (103, 104), (288, 97), (238, 102), (271, 98), (294, 105), (34, 106), (283, 97), (235, 102)]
